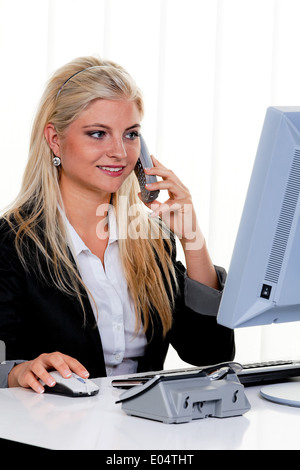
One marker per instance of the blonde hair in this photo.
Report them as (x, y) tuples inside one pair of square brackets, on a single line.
[(35, 215)]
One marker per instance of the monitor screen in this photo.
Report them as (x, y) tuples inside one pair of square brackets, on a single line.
[(263, 283)]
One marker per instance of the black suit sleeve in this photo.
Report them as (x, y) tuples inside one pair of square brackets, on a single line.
[(12, 283), (36, 317), (196, 335)]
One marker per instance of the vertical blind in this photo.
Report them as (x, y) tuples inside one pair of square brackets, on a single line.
[(208, 70)]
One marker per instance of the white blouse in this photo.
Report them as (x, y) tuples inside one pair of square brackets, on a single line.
[(116, 316)]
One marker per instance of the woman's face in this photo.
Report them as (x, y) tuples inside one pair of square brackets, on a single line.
[(100, 148)]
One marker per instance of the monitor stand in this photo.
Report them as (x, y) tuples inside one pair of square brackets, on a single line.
[(284, 393)]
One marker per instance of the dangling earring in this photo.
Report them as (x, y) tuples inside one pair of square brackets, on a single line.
[(56, 161)]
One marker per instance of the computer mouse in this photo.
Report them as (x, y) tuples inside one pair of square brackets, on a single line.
[(74, 386)]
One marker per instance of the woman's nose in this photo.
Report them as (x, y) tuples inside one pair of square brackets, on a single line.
[(117, 148)]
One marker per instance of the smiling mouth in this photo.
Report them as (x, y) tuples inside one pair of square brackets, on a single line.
[(112, 170)]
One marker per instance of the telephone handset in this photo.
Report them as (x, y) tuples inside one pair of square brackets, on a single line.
[(145, 161)]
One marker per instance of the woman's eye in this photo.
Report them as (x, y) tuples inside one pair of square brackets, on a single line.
[(97, 134), (132, 135)]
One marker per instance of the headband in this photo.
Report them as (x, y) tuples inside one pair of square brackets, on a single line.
[(76, 73)]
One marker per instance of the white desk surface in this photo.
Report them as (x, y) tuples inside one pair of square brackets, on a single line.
[(57, 422)]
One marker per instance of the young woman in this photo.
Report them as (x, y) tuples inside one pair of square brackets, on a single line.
[(89, 280)]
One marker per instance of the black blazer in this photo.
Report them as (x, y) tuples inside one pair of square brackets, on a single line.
[(35, 318)]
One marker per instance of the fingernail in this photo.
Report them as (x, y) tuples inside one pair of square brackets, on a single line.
[(50, 382)]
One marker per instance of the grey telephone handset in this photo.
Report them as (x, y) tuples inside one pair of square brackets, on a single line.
[(145, 161)]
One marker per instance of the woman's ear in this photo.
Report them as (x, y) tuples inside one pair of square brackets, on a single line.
[(52, 138)]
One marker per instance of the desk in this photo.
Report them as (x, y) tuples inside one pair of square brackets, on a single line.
[(58, 422)]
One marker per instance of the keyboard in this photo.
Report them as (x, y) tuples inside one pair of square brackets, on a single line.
[(250, 374), (268, 372)]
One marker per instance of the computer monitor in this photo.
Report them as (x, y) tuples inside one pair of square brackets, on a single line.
[(263, 283)]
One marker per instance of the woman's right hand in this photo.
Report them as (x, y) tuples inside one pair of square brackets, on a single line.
[(27, 374)]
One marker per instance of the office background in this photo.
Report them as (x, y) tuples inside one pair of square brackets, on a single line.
[(208, 70)]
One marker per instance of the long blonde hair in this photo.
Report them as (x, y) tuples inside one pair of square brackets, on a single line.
[(35, 214)]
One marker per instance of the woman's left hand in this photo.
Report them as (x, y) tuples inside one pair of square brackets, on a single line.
[(179, 215), (177, 212)]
